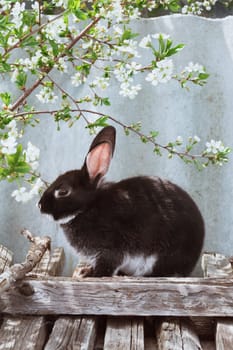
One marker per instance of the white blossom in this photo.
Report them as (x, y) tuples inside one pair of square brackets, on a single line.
[(5, 5), (115, 13), (86, 44), (128, 90), (9, 145), (128, 47), (12, 40), (78, 79), (31, 63), (54, 29), (32, 154), (46, 95), (179, 140), (37, 187), (122, 74), (14, 75), (133, 67), (17, 14), (60, 3), (162, 73), (100, 82), (214, 147), (196, 138), (158, 35), (145, 42), (194, 68), (21, 195), (61, 65)]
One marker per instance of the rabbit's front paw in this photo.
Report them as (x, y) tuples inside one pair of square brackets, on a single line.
[(82, 270)]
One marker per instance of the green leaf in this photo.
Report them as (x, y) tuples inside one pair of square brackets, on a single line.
[(55, 47), (128, 34), (161, 44), (6, 98), (73, 5), (174, 50), (106, 102), (203, 76), (14, 159), (174, 6), (101, 122), (144, 139), (154, 134), (22, 168), (80, 15), (29, 41), (4, 67), (21, 80)]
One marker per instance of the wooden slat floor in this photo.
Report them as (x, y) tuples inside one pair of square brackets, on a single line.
[(97, 332)]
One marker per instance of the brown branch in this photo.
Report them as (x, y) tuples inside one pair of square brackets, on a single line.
[(18, 271), (47, 70), (149, 139)]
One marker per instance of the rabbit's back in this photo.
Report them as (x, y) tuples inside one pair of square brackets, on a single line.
[(151, 225)]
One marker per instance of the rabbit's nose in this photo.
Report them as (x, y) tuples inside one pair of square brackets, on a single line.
[(39, 205)]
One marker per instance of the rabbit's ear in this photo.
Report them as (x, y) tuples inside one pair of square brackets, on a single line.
[(100, 153)]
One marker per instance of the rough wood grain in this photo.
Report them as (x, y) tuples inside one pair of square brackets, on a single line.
[(177, 334), (216, 265), (224, 335), (70, 333), (77, 333), (124, 296), (124, 334), (50, 264), (18, 271), (6, 257), (27, 332)]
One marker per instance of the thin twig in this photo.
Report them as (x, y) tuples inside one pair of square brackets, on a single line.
[(18, 271)]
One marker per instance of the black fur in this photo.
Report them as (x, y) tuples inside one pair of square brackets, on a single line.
[(136, 216)]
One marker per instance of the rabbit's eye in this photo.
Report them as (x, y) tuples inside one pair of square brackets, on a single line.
[(62, 192)]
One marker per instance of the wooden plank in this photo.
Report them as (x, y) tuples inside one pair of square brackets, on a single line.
[(216, 265), (123, 296), (177, 334), (51, 265), (224, 335), (69, 333), (77, 333), (124, 334), (6, 257), (27, 332)]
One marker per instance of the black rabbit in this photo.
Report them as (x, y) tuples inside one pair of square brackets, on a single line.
[(140, 226)]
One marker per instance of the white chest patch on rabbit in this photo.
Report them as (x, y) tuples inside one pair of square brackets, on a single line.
[(137, 265), (66, 220)]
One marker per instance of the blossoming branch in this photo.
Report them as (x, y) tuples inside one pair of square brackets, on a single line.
[(81, 36)]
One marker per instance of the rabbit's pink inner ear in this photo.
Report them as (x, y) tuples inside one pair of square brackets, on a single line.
[(98, 160)]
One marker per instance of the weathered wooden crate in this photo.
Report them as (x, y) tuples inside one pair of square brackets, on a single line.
[(118, 313)]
